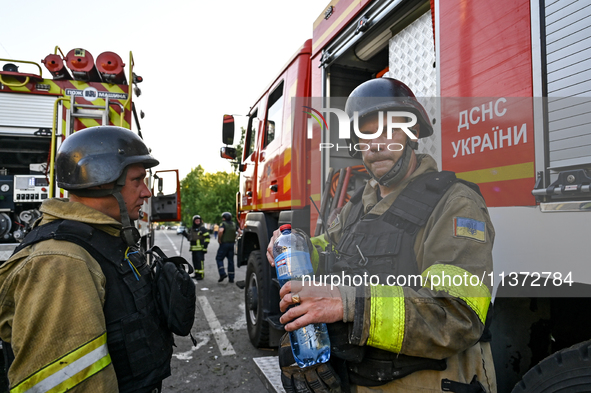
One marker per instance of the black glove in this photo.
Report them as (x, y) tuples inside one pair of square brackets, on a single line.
[(320, 378)]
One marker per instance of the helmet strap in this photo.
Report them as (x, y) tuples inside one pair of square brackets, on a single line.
[(398, 171), (129, 233)]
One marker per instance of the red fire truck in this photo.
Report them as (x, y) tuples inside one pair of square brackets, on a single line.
[(511, 81), (38, 113)]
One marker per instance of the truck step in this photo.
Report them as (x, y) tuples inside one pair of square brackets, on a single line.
[(267, 368)]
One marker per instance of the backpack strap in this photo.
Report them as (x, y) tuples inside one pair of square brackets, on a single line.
[(356, 208), (413, 207), (418, 200), (100, 245)]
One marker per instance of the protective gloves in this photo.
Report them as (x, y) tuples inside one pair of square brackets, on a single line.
[(320, 378)]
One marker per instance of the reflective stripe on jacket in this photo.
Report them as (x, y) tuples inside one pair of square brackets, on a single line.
[(70, 370), (199, 238)]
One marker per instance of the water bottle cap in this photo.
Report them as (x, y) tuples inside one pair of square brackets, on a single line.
[(284, 227)]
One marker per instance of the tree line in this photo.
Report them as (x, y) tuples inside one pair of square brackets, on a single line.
[(211, 194), (208, 194)]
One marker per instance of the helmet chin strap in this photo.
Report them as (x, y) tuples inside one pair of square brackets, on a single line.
[(398, 171), (129, 233)]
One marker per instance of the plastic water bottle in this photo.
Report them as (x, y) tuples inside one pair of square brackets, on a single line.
[(310, 344)]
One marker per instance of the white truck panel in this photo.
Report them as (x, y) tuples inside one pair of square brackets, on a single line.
[(411, 60), (528, 240)]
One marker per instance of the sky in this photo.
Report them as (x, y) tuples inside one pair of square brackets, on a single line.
[(199, 60)]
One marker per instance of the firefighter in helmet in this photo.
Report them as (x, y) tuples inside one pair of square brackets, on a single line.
[(226, 239), (425, 238), (76, 303), (198, 236)]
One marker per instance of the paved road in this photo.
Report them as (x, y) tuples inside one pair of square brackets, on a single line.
[(222, 361)]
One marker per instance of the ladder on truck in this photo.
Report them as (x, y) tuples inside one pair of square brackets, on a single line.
[(87, 111), (77, 111)]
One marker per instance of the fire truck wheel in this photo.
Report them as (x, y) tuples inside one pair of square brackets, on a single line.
[(258, 329), (568, 370)]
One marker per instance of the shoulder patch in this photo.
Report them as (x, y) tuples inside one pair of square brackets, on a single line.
[(470, 228), (334, 223)]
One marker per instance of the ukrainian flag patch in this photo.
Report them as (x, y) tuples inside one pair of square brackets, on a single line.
[(470, 228)]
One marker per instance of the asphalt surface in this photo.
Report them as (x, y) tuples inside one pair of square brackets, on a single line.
[(222, 360)]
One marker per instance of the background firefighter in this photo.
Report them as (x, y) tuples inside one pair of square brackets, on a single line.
[(226, 239), (198, 236)]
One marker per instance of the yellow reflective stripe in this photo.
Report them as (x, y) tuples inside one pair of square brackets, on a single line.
[(387, 318), (476, 296), (318, 241), (68, 371), (81, 376), (502, 173)]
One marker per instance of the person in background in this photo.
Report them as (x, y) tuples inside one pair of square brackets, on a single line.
[(226, 239), (198, 237)]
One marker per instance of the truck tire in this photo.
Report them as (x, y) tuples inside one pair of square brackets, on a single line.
[(258, 329), (568, 370)]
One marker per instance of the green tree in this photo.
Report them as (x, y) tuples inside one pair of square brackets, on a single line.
[(208, 194), (190, 186)]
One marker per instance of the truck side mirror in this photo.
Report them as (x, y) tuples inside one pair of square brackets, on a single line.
[(228, 130), (228, 153)]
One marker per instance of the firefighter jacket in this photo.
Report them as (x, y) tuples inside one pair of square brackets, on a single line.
[(440, 316), (55, 313), (198, 238)]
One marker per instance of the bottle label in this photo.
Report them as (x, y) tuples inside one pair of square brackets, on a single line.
[(293, 264)]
